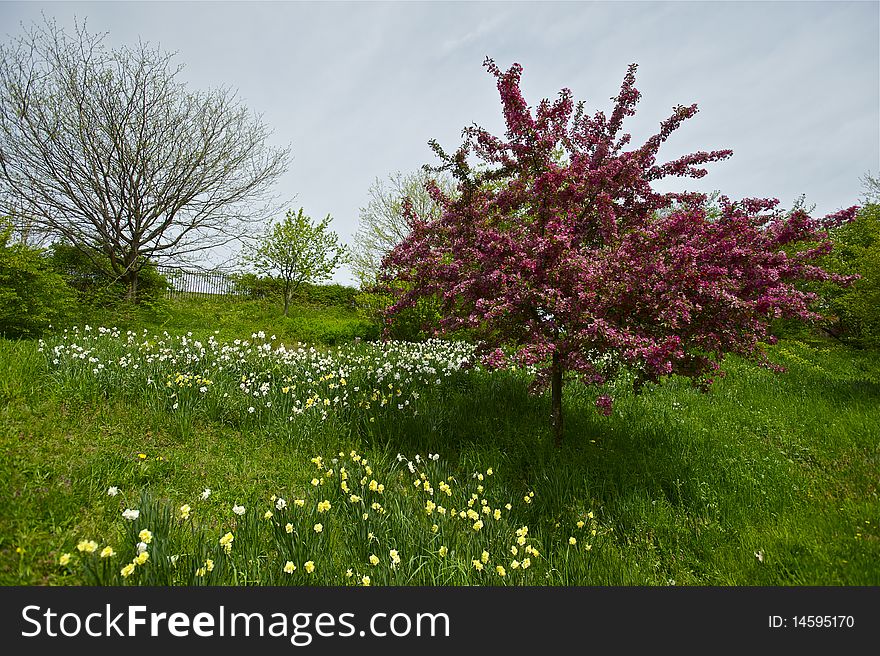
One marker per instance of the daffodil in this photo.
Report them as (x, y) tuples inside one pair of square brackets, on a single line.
[(107, 551), (127, 571), (64, 559), (318, 528), (145, 536), (309, 566), (289, 567), (443, 551), (374, 560)]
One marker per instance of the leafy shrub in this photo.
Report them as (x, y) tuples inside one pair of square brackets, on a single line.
[(32, 295), (857, 251), (93, 286), (254, 286), (412, 325)]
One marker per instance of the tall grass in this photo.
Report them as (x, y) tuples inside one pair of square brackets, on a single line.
[(768, 479)]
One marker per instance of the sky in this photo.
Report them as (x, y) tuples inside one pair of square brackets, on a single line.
[(356, 89)]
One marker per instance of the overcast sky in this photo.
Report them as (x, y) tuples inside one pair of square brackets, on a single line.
[(357, 89)]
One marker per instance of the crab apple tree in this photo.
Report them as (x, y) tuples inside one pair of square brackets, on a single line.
[(557, 252)]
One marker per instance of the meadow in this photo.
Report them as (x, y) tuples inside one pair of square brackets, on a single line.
[(216, 445)]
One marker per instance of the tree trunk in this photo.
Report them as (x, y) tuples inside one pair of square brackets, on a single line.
[(286, 296), (556, 399), (131, 293)]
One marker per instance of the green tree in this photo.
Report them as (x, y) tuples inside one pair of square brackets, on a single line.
[(297, 250), (32, 295), (857, 251)]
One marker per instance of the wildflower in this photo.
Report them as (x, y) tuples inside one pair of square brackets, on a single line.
[(429, 506), (141, 547), (267, 515), (484, 557), (289, 567), (226, 542), (146, 536), (238, 510), (107, 551), (65, 558), (354, 498), (87, 546), (209, 565), (514, 550), (299, 503), (590, 515), (489, 472), (514, 564), (206, 493), (478, 565), (365, 580), (323, 506), (507, 506), (434, 528), (588, 547), (501, 571), (318, 528), (527, 499), (580, 524), (288, 527), (374, 485), (497, 514), (478, 524), (572, 540), (131, 514), (309, 566), (142, 456), (280, 504), (374, 560), (112, 491), (142, 558), (127, 571), (184, 511), (395, 557), (443, 551), (526, 563), (349, 573)]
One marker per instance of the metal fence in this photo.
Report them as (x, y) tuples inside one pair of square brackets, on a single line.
[(189, 284)]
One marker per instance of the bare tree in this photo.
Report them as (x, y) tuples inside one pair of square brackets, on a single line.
[(383, 224), (109, 151)]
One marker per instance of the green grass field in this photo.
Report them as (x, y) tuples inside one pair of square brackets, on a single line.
[(768, 479)]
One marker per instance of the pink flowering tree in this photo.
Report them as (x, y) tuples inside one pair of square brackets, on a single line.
[(557, 252)]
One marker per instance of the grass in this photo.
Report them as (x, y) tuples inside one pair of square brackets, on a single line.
[(768, 479)]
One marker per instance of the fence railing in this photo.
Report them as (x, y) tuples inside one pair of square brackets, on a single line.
[(187, 283)]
